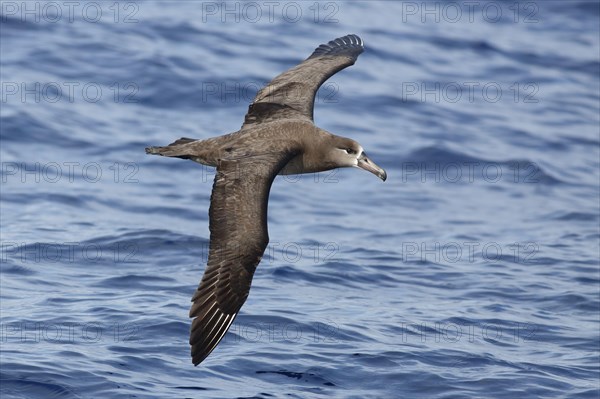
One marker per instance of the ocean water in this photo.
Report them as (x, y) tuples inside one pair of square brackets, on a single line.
[(472, 272)]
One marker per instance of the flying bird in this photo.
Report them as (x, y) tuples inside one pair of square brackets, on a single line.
[(278, 137)]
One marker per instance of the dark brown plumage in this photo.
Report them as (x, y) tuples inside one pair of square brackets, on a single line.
[(278, 137)]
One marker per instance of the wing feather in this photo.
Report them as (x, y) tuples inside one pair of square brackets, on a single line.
[(238, 238), (291, 95)]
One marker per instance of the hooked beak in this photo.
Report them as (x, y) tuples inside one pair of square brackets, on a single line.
[(365, 163)]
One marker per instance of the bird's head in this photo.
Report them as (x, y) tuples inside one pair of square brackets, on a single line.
[(344, 152)]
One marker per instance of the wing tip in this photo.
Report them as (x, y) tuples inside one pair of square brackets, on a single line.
[(202, 345), (351, 45)]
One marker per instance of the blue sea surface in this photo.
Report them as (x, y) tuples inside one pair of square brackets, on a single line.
[(472, 272)]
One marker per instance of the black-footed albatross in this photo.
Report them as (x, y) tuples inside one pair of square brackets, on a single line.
[(278, 137)]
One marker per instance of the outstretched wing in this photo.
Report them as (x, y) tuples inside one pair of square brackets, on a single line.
[(238, 238), (291, 95)]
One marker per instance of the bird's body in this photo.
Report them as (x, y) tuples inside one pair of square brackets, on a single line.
[(278, 137)]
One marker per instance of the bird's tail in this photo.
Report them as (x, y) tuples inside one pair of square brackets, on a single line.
[(176, 149)]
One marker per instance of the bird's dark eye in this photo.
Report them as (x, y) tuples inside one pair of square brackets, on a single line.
[(350, 151)]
